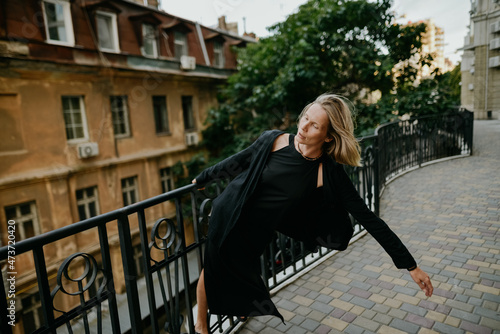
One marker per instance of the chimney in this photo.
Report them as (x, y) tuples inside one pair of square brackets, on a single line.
[(150, 3), (222, 23)]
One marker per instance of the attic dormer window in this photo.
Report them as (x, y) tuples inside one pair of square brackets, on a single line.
[(107, 31), (181, 45), (149, 42), (58, 23), (219, 59)]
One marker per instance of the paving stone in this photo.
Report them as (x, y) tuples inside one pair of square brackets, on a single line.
[(473, 318), (475, 328), (366, 323), (405, 326), (353, 329), (310, 325)]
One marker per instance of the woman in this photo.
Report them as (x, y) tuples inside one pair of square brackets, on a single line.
[(294, 184)]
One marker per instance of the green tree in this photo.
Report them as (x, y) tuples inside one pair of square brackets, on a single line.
[(347, 47), (436, 95)]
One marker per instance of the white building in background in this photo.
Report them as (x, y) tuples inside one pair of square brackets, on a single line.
[(481, 61)]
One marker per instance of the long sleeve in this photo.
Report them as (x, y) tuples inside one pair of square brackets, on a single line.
[(356, 206), (235, 164)]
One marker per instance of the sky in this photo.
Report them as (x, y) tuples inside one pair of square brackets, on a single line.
[(256, 15)]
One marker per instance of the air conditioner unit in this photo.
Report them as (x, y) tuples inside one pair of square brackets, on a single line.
[(495, 44), (494, 61), (495, 27), (88, 150), (188, 63), (191, 139), (471, 86)]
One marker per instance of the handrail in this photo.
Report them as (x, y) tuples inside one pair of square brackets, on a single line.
[(171, 267)]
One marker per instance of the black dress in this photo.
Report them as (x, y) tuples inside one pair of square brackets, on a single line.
[(232, 274)]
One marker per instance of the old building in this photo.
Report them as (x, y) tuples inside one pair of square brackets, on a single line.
[(481, 61), (98, 100)]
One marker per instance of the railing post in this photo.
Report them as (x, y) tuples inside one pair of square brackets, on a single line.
[(376, 175), (43, 287), (185, 265), (469, 129), (146, 260), (108, 271), (130, 274), (4, 321)]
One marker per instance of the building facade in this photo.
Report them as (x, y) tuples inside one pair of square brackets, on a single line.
[(480, 65), (98, 100)]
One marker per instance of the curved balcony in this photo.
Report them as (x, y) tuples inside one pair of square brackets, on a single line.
[(162, 299)]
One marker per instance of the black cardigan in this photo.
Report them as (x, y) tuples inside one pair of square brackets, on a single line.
[(326, 224)]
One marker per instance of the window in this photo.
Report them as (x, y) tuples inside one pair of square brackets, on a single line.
[(97, 282), (150, 47), (107, 32), (26, 219), (187, 112), (87, 202), (167, 179), (74, 118), (138, 258), (160, 113), (119, 113), (58, 24), (181, 46), (32, 313), (219, 59), (129, 190)]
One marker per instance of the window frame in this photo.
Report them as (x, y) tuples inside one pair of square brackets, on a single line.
[(167, 175), (153, 40), (128, 189), (184, 44), (219, 57), (83, 116), (125, 118), (138, 260), (164, 129), (86, 200), (35, 308), (21, 219), (68, 22), (188, 115), (113, 33)]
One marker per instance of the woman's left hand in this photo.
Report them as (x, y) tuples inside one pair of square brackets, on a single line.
[(422, 279)]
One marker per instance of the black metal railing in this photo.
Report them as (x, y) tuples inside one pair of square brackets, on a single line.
[(164, 296)]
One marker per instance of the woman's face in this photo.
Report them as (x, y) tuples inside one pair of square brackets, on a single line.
[(313, 127)]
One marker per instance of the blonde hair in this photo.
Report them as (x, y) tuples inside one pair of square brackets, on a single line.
[(343, 147)]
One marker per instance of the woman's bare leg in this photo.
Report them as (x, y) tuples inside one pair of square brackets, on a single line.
[(201, 298)]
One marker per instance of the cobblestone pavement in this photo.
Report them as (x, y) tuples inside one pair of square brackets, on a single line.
[(448, 215)]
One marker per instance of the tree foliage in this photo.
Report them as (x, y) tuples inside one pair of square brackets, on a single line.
[(346, 47)]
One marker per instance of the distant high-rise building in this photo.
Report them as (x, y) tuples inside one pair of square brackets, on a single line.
[(433, 45)]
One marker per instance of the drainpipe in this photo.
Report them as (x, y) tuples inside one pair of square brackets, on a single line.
[(202, 43), (487, 60)]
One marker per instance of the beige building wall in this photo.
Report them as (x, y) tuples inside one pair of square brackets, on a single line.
[(481, 61), (39, 165), (136, 51)]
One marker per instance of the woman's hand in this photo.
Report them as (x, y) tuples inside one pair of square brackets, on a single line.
[(422, 279), (194, 181)]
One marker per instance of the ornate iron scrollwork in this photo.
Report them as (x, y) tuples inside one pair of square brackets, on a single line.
[(165, 237), (83, 282), (168, 239)]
